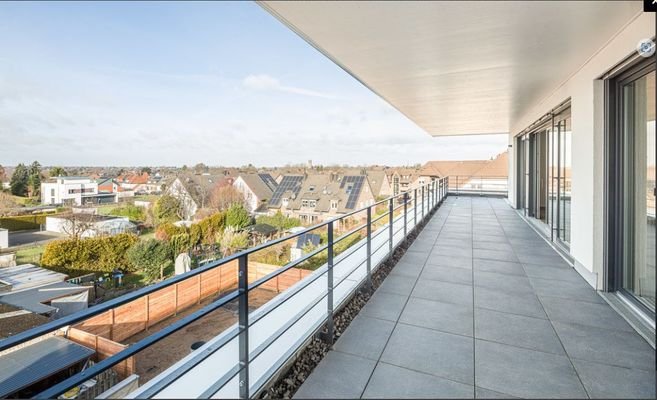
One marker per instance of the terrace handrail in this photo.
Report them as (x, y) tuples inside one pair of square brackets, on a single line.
[(431, 195), (478, 185)]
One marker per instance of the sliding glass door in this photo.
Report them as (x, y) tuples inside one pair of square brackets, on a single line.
[(545, 158), (631, 164)]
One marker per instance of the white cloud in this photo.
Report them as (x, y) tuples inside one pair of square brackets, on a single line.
[(266, 82)]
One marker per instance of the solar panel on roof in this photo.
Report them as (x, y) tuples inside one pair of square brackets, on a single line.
[(269, 181), (288, 183), (355, 184)]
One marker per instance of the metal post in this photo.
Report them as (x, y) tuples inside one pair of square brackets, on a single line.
[(243, 315), (415, 207), (390, 220), (423, 201), (405, 212), (329, 308), (369, 247)]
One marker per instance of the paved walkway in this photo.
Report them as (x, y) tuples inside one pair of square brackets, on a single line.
[(481, 306)]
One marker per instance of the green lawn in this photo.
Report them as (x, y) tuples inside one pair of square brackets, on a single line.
[(29, 255)]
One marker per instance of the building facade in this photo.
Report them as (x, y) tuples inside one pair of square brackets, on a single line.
[(74, 190)]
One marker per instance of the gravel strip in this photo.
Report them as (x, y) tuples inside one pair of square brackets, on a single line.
[(310, 357)]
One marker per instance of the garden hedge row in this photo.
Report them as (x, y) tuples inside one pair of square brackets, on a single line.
[(23, 222)]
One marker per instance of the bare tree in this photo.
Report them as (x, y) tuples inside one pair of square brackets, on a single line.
[(76, 224), (223, 197)]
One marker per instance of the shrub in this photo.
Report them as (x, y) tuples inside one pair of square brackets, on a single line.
[(98, 254), (166, 231), (209, 228), (23, 222), (238, 217), (151, 257), (232, 240), (279, 221), (180, 243)]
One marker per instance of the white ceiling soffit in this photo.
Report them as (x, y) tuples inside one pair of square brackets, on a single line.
[(453, 67)]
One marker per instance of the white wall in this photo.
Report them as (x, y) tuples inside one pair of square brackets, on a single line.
[(584, 87)]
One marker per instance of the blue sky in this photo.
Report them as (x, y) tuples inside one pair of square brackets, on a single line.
[(165, 83)]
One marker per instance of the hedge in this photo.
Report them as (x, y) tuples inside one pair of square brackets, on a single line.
[(23, 222), (83, 256)]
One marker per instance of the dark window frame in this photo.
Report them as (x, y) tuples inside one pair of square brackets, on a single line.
[(614, 153)]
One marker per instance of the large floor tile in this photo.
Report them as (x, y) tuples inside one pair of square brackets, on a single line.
[(608, 382), (397, 284), (443, 291), (584, 313), (338, 376), (525, 373), (517, 330), (510, 283), (446, 317), (365, 337), (494, 255), (451, 261), (426, 350), (500, 267), (440, 250), (557, 274), (447, 274), (580, 291), (502, 246), (384, 305), (392, 382), (624, 349), (514, 303), (481, 393), (548, 261)]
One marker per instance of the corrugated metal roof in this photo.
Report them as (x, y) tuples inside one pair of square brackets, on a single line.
[(31, 364), (27, 276), (33, 299)]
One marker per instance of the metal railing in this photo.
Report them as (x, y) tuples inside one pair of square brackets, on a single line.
[(478, 185), (415, 207)]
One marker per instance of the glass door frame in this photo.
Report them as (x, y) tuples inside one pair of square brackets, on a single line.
[(614, 202)]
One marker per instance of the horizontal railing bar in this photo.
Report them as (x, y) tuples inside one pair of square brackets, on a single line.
[(218, 385), (348, 274), (286, 267), (111, 361), (349, 233), (180, 371), (265, 345)]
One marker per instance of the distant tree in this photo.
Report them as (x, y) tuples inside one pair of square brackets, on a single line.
[(57, 171), (184, 167), (152, 257), (237, 217), (279, 221), (200, 168), (76, 224), (146, 170), (167, 209), (222, 197), (3, 175), (19, 180), (34, 179)]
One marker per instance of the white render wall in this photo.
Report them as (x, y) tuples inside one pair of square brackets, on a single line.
[(584, 87)]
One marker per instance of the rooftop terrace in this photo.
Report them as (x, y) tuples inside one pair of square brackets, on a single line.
[(481, 306)]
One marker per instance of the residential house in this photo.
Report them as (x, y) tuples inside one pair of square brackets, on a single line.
[(194, 190), (315, 198), (404, 180), (74, 190), (467, 175), (379, 183), (257, 190)]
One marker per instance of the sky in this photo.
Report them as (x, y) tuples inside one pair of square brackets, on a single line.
[(167, 83)]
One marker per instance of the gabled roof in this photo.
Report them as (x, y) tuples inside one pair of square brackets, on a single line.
[(324, 189), (289, 188), (376, 178), (260, 184), (497, 167)]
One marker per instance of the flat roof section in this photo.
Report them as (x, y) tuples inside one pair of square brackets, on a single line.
[(31, 364)]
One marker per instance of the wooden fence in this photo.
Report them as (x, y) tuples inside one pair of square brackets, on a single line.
[(125, 321), (104, 348)]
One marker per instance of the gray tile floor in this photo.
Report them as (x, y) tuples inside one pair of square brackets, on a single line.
[(482, 306)]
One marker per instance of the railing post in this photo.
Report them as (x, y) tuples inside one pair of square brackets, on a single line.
[(329, 298), (369, 247), (415, 207), (423, 201), (390, 220), (405, 212), (243, 320)]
